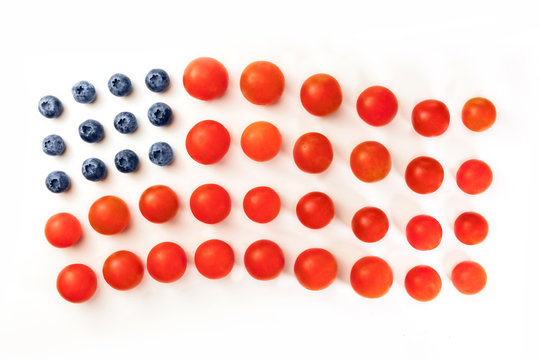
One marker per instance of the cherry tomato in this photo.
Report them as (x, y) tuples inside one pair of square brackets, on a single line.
[(313, 153), (377, 105), (63, 230), (321, 94), (214, 259), (478, 114), (261, 141), (371, 277), (315, 269), (370, 161), (158, 204), (430, 118), (210, 203), (264, 260), (76, 283), (423, 283), (474, 177), (469, 277), (424, 232), (424, 175), (205, 78), (315, 210), (123, 270), (370, 224), (109, 215), (262, 204), (207, 142), (262, 83), (471, 228), (166, 262)]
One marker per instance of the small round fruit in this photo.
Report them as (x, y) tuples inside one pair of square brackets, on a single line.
[(210, 203), (50, 106), (471, 228), (424, 232), (370, 161), (126, 161), (313, 153), (91, 131), (377, 105), (321, 94), (371, 277), (119, 85), (469, 277), (261, 141), (109, 215), (63, 230), (94, 169), (370, 224), (474, 177), (161, 154), (207, 142), (53, 145), (315, 269), (57, 182), (205, 78), (76, 283), (430, 118), (262, 83), (424, 175), (262, 204), (123, 270), (423, 283), (83, 92), (160, 114), (166, 262), (315, 210), (158, 204), (478, 114), (264, 260), (214, 259), (157, 80)]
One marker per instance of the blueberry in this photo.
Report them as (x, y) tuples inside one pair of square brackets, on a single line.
[(91, 131), (94, 169), (157, 80), (57, 181), (84, 92), (119, 85), (50, 107), (161, 154), (126, 161), (125, 122), (160, 114), (53, 145)]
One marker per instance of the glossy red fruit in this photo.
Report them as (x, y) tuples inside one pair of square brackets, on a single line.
[(264, 260), (109, 215), (370, 224), (424, 175), (469, 277), (321, 95), (207, 142), (262, 204), (261, 141), (262, 83), (76, 283), (123, 270), (158, 204), (315, 269), (430, 118), (423, 283), (377, 105), (313, 153), (214, 259), (205, 78), (478, 114), (424, 232), (63, 230), (371, 277), (315, 210), (166, 262), (370, 161), (474, 177), (471, 228), (210, 203)]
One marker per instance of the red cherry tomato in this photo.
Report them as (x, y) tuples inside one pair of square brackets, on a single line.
[(469, 277), (423, 283), (315, 269), (478, 114), (424, 175), (370, 224), (205, 78), (474, 177), (76, 283), (210, 203), (321, 94), (262, 83), (214, 259), (63, 230), (370, 161), (166, 262), (315, 210), (264, 260), (262, 204), (471, 228), (109, 215), (313, 153), (158, 204), (261, 141), (207, 142), (371, 277), (123, 270), (377, 105), (424, 232), (430, 118)]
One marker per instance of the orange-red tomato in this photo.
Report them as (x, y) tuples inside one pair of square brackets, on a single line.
[(423, 283), (214, 259), (370, 224), (207, 142), (370, 161), (424, 175), (158, 204), (262, 204), (264, 260), (109, 215), (166, 262), (205, 78), (478, 114), (313, 153), (123, 270), (63, 230), (76, 283), (210, 203), (315, 269), (469, 277), (321, 94), (377, 105), (315, 210), (262, 83), (471, 228), (424, 232), (474, 177), (371, 277), (430, 118), (261, 141)]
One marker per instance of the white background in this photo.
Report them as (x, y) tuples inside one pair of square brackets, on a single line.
[(451, 51)]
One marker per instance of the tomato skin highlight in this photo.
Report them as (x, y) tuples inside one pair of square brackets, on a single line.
[(469, 277), (371, 277), (430, 118), (424, 232), (207, 142), (321, 94), (370, 224), (474, 177), (471, 228), (109, 215), (205, 78), (166, 262), (76, 283), (315, 269), (214, 259), (377, 105), (123, 270), (261, 141), (264, 260), (63, 230), (424, 175), (478, 114), (210, 203), (262, 204), (262, 83), (313, 153), (159, 204), (423, 283), (370, 161), (315, 210)]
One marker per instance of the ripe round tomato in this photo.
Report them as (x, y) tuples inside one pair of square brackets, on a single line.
[(205, 78), (315, 210), (166, 262), (370, 161), (430, 118), (261, 141), (109, 215), (63, 230), (262, 204), (158, 204), (478, 114), (471, 228), (313, 153), (424, 232), (321, 94), (264, 260), (469, 277), (123, 270), (424, 175), (371, 277), (377, 105), (370, 224), (207, 142), (76, 283), (474, 177), (210, 203), (423, 283), (315, 269), (262, 83), (214, 259)]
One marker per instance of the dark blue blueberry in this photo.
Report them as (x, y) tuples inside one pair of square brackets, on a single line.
[(91, 131), (50, 107), (57, 181), (84, 92), (125, 122), (157, 80), (53, 145), (126, 161), (160, 114), (161, 154), (94, 169), (119, 85)]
